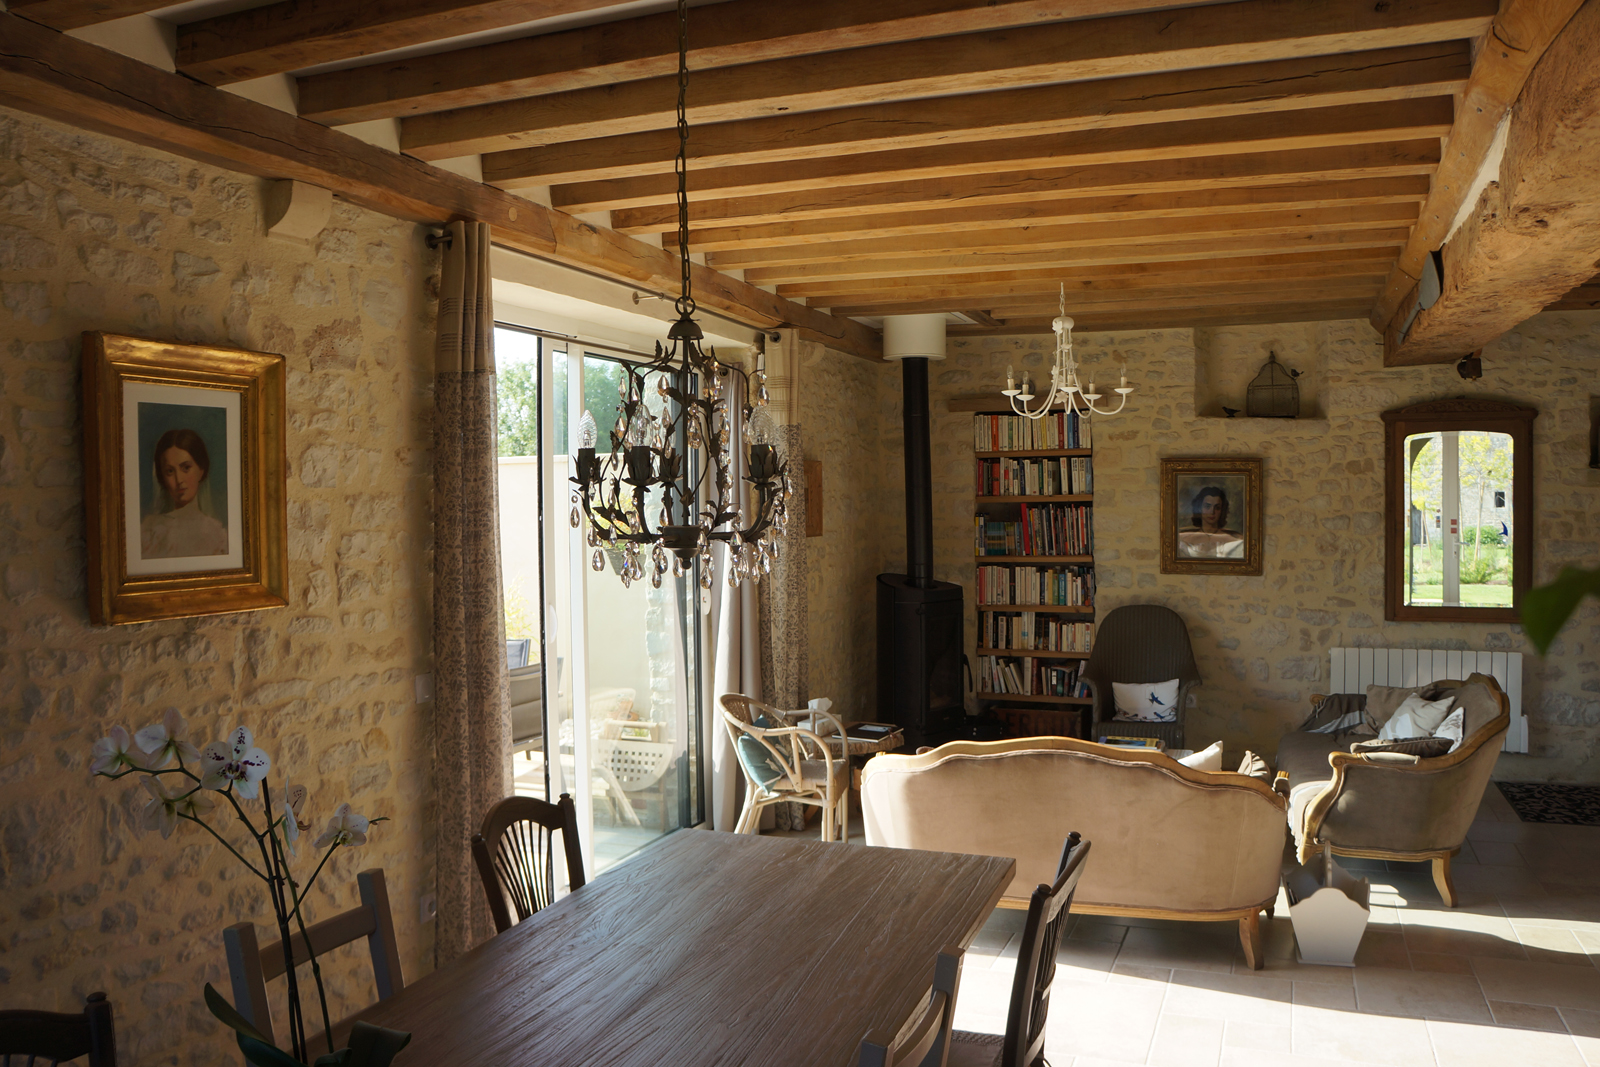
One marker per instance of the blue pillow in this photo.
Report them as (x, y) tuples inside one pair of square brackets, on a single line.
[(758, 762)]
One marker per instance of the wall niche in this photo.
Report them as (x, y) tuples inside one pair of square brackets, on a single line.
[(1227, 359)]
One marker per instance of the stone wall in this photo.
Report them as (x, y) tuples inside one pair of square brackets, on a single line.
[(96, 234), (1262, 642)]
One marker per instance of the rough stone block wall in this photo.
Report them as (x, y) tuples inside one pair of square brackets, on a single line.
[(96, 234)]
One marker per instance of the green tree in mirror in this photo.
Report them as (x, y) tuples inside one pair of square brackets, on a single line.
[(1546, 609)]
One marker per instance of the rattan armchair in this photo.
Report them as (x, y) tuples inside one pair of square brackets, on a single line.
[(811, 773)]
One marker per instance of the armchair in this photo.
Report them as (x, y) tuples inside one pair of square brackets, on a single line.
[(1140, 643), (783, 762)]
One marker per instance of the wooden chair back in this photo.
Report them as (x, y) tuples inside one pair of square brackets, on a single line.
[(515, 854), (925, 1041), (1023, 1045), (252, 965), (59, 1036)]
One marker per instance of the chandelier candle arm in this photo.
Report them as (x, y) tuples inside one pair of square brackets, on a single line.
[(1064, 388)]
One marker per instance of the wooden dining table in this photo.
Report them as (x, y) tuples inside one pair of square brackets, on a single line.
[(706, 948)]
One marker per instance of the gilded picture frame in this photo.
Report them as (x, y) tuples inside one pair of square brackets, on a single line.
[(1211, 516), (184, 479)]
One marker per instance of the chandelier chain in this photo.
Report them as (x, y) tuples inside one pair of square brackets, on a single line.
[(685, 302)]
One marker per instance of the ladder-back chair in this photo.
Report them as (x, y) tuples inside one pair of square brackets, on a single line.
[(28, 1037), (921, 1043), (515, 854)]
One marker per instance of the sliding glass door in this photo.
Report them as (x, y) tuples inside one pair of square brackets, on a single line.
[(620, 662)]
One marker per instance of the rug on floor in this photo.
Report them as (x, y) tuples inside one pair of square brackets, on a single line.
[(1577, 805)]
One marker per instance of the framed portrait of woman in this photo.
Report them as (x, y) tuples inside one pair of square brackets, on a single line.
[(1211, 516), (183, 479)]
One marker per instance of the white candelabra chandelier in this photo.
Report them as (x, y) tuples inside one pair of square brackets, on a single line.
[(1065, 391)]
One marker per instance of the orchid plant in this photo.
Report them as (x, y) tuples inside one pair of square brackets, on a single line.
[(234, 771)]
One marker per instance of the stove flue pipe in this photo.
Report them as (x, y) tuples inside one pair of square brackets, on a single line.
[(914, 340)]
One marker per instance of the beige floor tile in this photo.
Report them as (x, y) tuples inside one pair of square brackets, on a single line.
[(1421, 994), (1440, 963), (983, 992), (1192, 946), (1343, 1035), (1585, 1028), (1527, 1016), (1498, 854), (1461, 933), (1264, 1036), (1255, 1057), (1138, 974), (1114, 1022), (1332, 997), (1539, 983), (1096, 928), (1553, 944), (1085, 961), (1465, 1045), (1293, 970), (1186, 1041), (1002, 925), (1383, 948), (1248, 998)]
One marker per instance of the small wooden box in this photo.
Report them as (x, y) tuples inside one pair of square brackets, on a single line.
[(1041, 722)]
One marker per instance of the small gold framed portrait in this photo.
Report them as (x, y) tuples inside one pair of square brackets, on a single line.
[(1211, 516)]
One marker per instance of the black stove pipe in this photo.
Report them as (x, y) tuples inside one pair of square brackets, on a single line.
[(919, 471)]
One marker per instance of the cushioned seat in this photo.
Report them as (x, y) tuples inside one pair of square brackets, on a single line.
[(1304, 758)]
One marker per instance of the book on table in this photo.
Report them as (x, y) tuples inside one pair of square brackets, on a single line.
[(1133, 742)]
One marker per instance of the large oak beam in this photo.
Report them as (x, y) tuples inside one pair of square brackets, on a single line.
[(75, 14), (46, 73), (1248, 31), (1351, 290), (1214, 92), (1535, 233), (1521, 32), (1310, 311), (738, 31)]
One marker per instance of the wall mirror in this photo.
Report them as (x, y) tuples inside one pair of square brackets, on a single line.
[(1458, 510)]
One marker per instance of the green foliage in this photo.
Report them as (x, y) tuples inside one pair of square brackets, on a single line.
[(520, 618), (1482, 535), (370, 1046), (1546, 609), (518, 402), (518, 396)]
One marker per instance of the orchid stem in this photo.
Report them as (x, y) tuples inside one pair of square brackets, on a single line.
[(316, 968)]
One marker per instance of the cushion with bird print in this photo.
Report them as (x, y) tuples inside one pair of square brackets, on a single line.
[(1146, 701)]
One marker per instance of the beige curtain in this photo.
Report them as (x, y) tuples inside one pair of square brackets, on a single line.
[(472, 717)]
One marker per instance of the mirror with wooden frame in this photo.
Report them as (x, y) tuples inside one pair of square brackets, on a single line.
[(1458, 510)]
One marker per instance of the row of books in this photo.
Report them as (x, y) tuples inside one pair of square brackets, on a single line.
[(1006, 433), (1030, 630), (1065, 586), (1044, 530), (1051, 476), (1027, 676)]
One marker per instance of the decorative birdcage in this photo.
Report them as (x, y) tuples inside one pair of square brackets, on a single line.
[(1274, 394)]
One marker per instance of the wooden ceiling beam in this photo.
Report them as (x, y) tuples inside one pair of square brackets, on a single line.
[(997, 241), (76, 14), (1212, 92), (295, 34), (978, 262), (1350, 291), (1350, 162), (1177, 318), (1520, 34), (1410, 189), (738, 31), (1534, 234), (1246, 31), (1397, 120), (1585, 297), (47, 73)]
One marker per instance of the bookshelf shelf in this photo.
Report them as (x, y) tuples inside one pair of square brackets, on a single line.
[(1034, 453), (985, 560), (1030, 699), (1037, 653), (1069, 498), (1064, 609)]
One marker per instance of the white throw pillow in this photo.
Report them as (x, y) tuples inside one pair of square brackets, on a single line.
[(1146, 701), (1207, 759), (1453, 727), (1415, 717)]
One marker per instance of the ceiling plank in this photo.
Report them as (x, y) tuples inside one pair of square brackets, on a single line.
[(1396, 120), (1177, 318), (1246, 31), (43, 72), (1213, 92), (1535, 233), (998, 240), (1411, 189), (1521, 32), (1351, 290), (739, 31), (294, 34), (76, 14), (1165, 251), (1162, 175), (1585, 297)]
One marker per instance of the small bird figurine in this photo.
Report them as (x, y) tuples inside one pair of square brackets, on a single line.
[(1230, 412)]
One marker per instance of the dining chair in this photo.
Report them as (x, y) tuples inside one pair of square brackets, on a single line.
[(60, 1036), (1023, 1042), (515, 854), (252, 965), (783, 762), (921, 1042)]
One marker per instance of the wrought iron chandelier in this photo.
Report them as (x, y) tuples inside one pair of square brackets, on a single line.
[(663, 450), (1065, 389)]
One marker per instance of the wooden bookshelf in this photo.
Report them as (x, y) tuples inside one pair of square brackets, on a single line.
[(1037, 653), (986, 560), (1064, 609), (1069, 498), (1034, 453), (1031, 699)]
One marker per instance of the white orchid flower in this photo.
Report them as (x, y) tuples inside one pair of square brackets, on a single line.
[(291, 828), (345, 828), (236, 762), (165, 806), (160, 741), (114, 752)]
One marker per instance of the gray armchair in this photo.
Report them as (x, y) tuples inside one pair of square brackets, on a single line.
[(1141, 643)]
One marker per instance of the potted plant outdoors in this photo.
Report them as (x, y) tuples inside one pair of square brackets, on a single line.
[(235, 770)]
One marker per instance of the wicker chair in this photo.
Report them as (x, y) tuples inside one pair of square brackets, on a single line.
[(810, 772), (1141, 643)]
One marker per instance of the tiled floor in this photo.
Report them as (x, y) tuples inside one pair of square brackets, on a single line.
[(1509, 978)]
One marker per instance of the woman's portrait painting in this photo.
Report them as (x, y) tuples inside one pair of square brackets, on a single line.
[(1211, 516), (183, 482)]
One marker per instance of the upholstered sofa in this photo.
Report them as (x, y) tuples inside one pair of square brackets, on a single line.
[(1169, 842), (1388, 805)]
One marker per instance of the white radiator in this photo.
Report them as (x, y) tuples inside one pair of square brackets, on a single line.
[(1351, 670)]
